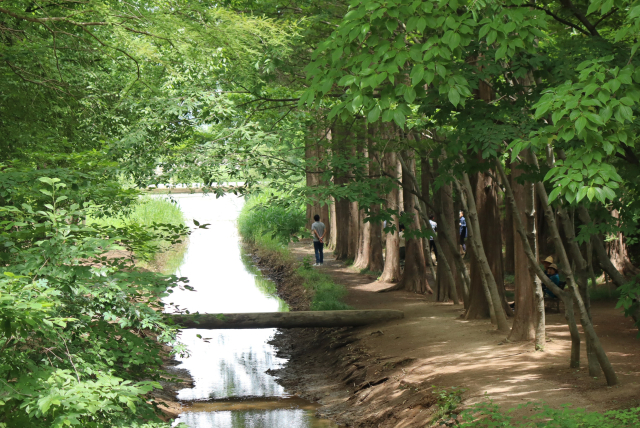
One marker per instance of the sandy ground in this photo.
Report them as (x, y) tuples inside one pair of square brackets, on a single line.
[(382, 375)]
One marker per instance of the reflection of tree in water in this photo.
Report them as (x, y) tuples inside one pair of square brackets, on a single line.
[(244, 374), (254, 419)]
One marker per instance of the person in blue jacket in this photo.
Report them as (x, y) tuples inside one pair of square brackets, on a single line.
[(552, 274), (463, 231)]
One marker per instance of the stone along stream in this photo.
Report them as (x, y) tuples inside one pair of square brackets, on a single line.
[(231, 387)]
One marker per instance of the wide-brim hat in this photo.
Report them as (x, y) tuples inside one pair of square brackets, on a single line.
[(553, 266), (548, 260)]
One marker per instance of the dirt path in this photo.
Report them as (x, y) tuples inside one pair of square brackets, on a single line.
[(433, 346)]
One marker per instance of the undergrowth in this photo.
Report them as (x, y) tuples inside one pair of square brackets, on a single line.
[(327, 295), (264, 221), (488, 414)]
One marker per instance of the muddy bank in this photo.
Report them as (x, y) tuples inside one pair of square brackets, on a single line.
[(333, 367)]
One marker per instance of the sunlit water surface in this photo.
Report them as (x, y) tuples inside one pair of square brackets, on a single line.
[(228, 366)]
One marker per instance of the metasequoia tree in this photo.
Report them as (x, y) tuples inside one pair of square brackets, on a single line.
[(391, 272), (414, 276), (529, 319)]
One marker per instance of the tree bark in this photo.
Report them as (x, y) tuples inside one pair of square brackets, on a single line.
[(489, 286), (391, 272), (333, 224), (489, 242), (414, 277), (341, 143), (529, 306), (509, 236), (375, 262), (447, 285)]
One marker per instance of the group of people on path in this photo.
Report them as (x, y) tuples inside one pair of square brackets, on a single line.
[(318, 230)]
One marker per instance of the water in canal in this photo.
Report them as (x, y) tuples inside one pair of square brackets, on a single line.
[(231, 387)]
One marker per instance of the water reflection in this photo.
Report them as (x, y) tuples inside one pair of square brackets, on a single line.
[(230, 363)]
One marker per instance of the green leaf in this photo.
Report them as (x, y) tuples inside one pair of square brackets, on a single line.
[(502, 51), (398, 118), (554, 194), (591, 192), (374, 114), (416, 74), (409, 95), (580, 124), (454, 96)]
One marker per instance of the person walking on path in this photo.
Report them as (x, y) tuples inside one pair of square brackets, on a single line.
[(432, 245), (318, 231), (463, 231)]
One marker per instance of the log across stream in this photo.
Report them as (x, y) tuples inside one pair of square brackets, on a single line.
[(301, 319)]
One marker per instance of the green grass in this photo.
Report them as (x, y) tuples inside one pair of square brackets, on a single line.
[(375, 273), (327, 295)]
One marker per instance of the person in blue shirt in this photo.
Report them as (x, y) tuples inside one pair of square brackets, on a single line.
[(463, 231), (552, 274)]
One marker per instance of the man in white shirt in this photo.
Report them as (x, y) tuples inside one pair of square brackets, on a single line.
[(318, 230)]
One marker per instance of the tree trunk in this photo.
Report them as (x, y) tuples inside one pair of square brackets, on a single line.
[(414, 277), (529, 306), (446, 224), (341, 136), (364, 243), (391, 272), (333, 224), (509, 236), (483, 191), (375, 263)]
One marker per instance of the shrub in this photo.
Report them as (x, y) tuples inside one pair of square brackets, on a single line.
[(262, 217)]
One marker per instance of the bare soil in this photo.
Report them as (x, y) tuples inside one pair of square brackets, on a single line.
[(383, 375)]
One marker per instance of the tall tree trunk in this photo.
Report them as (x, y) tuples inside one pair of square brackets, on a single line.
[(341, 142), (364, 243), (414, 277), (486, 269), (446, 224), (391, 272), (375, 262), (529, 320), (312, 175), (509, 236), (484, 193), (332, 224)]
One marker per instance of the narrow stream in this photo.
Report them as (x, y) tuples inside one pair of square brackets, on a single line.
[(231, 387)]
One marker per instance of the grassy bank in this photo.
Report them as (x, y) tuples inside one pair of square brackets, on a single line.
[(269, 228), (145, 212)]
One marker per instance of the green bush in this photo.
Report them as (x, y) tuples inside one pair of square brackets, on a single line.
[(73, 352), (264, 219)]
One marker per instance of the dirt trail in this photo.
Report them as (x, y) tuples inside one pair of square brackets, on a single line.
[(433, 346)]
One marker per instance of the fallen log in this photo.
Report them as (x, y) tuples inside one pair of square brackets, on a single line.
[(300, 319)]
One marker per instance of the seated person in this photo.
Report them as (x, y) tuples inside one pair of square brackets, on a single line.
[(552, 274)]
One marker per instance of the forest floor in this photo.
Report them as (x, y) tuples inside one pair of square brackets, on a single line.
[(384, 375)]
